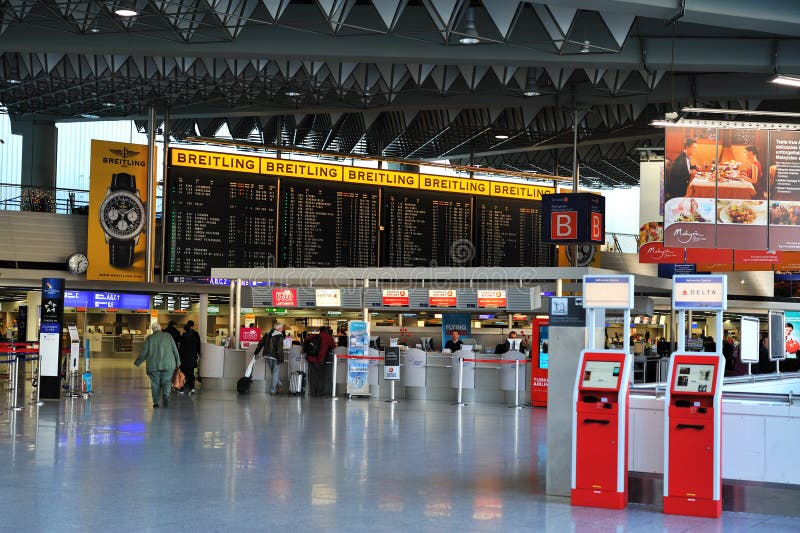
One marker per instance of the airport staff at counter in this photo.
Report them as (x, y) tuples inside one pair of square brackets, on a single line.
[(454, 344)]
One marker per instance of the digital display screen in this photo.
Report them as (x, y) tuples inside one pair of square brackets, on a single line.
[(750, 340), (508, 233), (106, 300), (219, 219), (544, 346), (694, 378), (601, 375), (777, 332)]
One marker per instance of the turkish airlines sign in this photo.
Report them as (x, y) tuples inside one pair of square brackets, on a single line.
[(441, 298), (395, 297)]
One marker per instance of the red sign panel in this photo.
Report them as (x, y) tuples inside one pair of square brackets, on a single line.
[(597, 229), (656, 252), (249, 336), (749, 257), (395, 298), (564, 225), (492, 299), (284, 297), (709, 255), (442, 298)]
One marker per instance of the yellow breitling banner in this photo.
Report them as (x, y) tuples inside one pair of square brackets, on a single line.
[(117, 212), (355, 175)]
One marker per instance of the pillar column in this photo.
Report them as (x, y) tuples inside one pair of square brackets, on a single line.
[(202, 321), (39, 147), (34, 299)]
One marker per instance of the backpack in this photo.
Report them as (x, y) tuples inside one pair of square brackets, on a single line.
[(312, 346), (243, 385)]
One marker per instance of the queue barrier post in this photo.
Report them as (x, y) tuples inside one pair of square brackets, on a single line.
[(391, 393), (459, 402), (18, 388), (516, 387), (335, 359)]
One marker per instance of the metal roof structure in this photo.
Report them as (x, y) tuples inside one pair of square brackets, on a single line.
[(391, 78)]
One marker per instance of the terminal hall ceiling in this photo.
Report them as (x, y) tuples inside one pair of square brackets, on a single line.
[(391, 78)]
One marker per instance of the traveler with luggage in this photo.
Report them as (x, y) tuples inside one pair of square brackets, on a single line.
[(161, 356), (190, 351), (272, 345), (316, 349)]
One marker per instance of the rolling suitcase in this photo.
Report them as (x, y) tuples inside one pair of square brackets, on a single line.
[(297, 383), (244, 382)]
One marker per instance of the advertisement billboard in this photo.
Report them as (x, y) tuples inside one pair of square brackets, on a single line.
[(117, 213)]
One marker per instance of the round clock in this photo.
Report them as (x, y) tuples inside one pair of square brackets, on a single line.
[(77, 263)]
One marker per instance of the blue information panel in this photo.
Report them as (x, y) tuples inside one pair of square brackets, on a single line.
[(699, 292), (106, 300)]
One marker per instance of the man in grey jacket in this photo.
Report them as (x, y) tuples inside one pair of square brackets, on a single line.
[(161, 355), (272, 344)]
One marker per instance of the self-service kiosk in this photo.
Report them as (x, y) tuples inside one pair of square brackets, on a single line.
[(692, 429), (600, 430), (540, 354)]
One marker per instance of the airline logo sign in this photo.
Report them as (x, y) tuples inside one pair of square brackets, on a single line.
[(395, 298), (284, 297), (492, 299), (699, 292), (573, 218), (442, 298), (329, 298)]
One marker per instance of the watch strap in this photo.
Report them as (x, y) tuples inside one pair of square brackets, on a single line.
[(123, 181), (121, 252)]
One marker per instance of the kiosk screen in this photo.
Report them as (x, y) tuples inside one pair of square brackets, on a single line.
[(694, 378), (601, 375), (544, 346)]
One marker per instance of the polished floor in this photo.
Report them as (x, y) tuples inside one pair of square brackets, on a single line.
[(220, 462)]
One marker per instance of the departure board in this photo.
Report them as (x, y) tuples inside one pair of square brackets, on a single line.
[(508, 233), (426, 229), (219, 219), (327, 225)]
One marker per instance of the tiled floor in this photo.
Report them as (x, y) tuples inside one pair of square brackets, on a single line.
[(219, 462)]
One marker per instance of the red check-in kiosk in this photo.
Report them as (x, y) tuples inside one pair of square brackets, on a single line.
[(600, 430), (692, 430), (540, 359)]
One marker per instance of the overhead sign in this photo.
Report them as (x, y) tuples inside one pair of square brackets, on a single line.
[(395, 298), (355, 175), (699, 292), (442, 298), (284, 297), (573, 218), (106, 300), (492, 299), (328, 298), (608, 292)]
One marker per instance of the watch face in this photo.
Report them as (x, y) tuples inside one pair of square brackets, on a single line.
[(122, 215), (78, 263)]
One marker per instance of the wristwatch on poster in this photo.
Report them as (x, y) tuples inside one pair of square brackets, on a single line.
[(122, 218)]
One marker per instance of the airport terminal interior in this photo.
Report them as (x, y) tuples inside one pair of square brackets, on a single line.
[(365, 265)]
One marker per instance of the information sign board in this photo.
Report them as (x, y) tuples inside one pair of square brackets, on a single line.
[(391, 362), (699, 292), (608, 292)]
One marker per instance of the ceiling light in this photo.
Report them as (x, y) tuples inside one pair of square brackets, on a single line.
[(94, 30), (470, 35), (291, 93), (531, 92), (501, 136), (791, 81), (13, 82), (109, 104), (125, 12), (585, 48), (89, 115)]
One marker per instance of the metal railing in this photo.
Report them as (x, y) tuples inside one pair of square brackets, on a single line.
[(623, 243), (64, 201)]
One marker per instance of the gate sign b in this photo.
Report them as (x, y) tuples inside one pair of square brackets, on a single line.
[(572, 218)]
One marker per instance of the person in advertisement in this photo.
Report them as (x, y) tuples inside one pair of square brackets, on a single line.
[(790, 364), (190, 352), (272, 345), (454, 344), (682, 171), (161, 355), (753, 173)]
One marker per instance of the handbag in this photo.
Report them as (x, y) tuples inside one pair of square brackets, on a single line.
[(178, 379)]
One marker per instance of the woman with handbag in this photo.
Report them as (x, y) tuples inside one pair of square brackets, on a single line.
[(162, 358)]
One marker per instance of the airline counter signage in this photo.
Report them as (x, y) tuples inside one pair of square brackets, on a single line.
[(395, 298), (442, 298), (608, 292), (493, 299), (573, 218), (284, 297), (699, 292), (328, 298)]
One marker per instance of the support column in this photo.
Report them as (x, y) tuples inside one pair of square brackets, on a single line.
[(202, 325), (32, 327), (39, 147)]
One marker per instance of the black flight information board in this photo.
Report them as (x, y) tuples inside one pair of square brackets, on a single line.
[(426, 229), (327, 225), (508, 234), (219, 219)]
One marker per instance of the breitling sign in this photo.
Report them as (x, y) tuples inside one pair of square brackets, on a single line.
[(117, 214)]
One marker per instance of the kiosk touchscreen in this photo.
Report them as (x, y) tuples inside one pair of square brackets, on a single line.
[(540, 352), (600, 430), (692, 458)]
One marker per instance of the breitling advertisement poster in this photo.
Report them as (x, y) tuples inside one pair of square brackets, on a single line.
[(117, 212)]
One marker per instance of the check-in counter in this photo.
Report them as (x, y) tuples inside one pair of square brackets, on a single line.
[(220, 368)]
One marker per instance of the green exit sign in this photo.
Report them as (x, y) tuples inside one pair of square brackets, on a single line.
[(275, 310)]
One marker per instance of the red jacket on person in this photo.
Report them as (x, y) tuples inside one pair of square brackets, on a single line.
[(327, 344)]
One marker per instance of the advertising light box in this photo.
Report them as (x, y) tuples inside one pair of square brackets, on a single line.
[(749, 344), (608, 292), (699, 292)]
